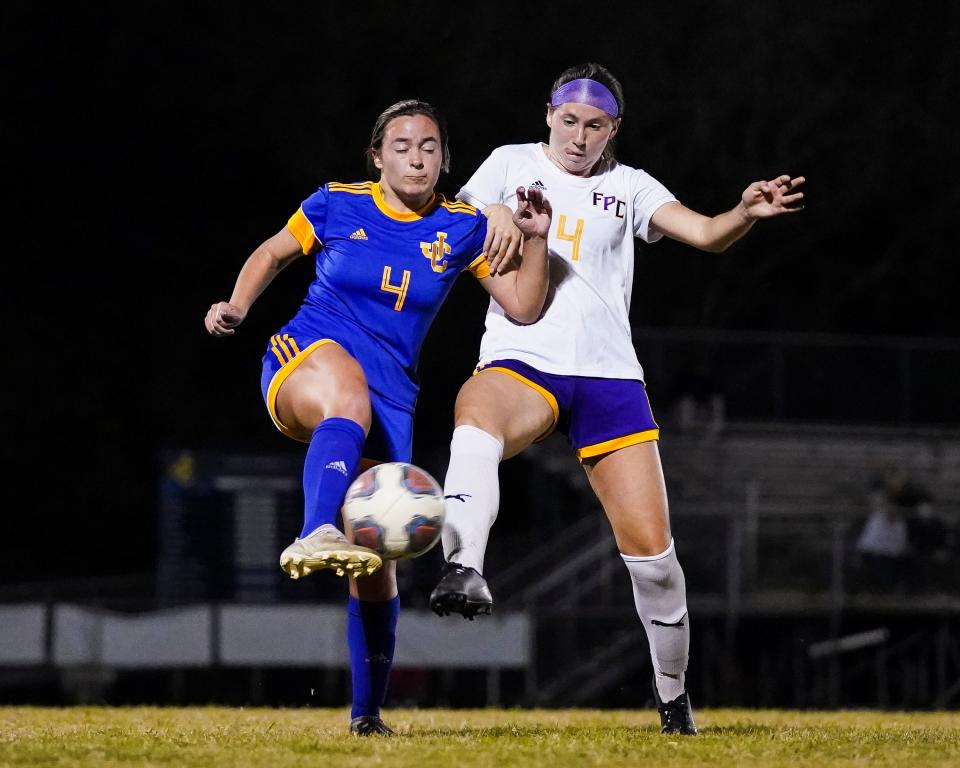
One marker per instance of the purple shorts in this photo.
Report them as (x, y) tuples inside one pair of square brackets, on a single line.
[(597, 415)]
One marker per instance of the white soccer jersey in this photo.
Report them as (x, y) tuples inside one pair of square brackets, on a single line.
[(585, 326)]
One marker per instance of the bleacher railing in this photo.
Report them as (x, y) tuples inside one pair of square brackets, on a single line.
[(780, 376)]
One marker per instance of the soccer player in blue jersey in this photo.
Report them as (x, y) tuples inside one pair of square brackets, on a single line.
[(341, 375)]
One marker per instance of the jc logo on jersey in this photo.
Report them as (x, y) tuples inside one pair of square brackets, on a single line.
[(437, 252)]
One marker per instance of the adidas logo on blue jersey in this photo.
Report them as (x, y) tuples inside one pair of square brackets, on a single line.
[(538, 185), (359, 235), (339, 466)]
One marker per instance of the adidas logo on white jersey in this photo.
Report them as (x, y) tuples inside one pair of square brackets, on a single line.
[(538, 185), (359, 235), (339, 466)]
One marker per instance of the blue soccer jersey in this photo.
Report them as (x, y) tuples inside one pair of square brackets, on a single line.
[(381, 276)]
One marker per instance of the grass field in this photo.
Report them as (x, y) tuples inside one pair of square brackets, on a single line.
[(215, 737)]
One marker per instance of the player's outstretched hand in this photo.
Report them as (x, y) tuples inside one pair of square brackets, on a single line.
[(223, 318), (533, 212), (764, 199), (503, 238)]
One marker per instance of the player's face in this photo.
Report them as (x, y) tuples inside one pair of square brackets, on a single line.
[(578, 135), (409, 160)]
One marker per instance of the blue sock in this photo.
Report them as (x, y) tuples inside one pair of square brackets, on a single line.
[(330, 467), (371, 635)]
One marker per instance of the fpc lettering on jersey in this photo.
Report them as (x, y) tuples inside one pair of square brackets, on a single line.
[(605, 201)]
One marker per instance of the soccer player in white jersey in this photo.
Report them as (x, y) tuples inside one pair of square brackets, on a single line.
[(575, 370)]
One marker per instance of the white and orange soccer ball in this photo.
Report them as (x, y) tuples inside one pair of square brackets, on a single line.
[(395, 509)]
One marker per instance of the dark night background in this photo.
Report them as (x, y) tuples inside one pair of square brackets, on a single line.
[(148, 150)]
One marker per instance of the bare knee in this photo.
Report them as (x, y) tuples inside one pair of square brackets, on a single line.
[(643, 543), (642, 531), (307, 407), (353, 404), (472, 408), (473, 414)]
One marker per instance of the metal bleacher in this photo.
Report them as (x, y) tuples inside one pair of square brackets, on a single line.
[(764, 519)]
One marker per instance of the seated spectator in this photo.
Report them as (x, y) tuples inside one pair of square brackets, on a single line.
[(882, 546), (930, 537)]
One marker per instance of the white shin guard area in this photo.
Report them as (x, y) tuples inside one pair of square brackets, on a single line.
[(660, 594), (472, 491)]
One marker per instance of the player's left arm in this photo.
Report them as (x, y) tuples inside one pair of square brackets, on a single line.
[(521, 288), (761, 200)]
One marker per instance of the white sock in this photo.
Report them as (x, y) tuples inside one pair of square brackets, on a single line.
[(660, 594), (472, 488)]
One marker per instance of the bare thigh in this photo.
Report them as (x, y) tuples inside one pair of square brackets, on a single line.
[(329, 383), (511, 411), (629, 484)]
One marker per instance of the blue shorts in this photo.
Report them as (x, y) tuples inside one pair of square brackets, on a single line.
[(597, 415), (391, 428)]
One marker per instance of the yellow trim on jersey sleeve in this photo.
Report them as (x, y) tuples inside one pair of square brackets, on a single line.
[(289, 366), (301, 228), (479, 267), (547, 394), (456, 206), (608, 446)]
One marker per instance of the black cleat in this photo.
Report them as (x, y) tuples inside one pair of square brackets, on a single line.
[(676, 717), (369, 725), (461, 590)]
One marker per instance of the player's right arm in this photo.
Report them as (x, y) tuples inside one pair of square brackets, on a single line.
[(521, 289), (264, 264)]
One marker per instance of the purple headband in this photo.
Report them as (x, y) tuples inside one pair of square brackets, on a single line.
[(585, 91)]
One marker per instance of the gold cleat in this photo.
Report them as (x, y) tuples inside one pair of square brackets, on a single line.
[(328, 548)]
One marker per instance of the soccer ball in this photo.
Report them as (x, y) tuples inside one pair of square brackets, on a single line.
[(395, 509)]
